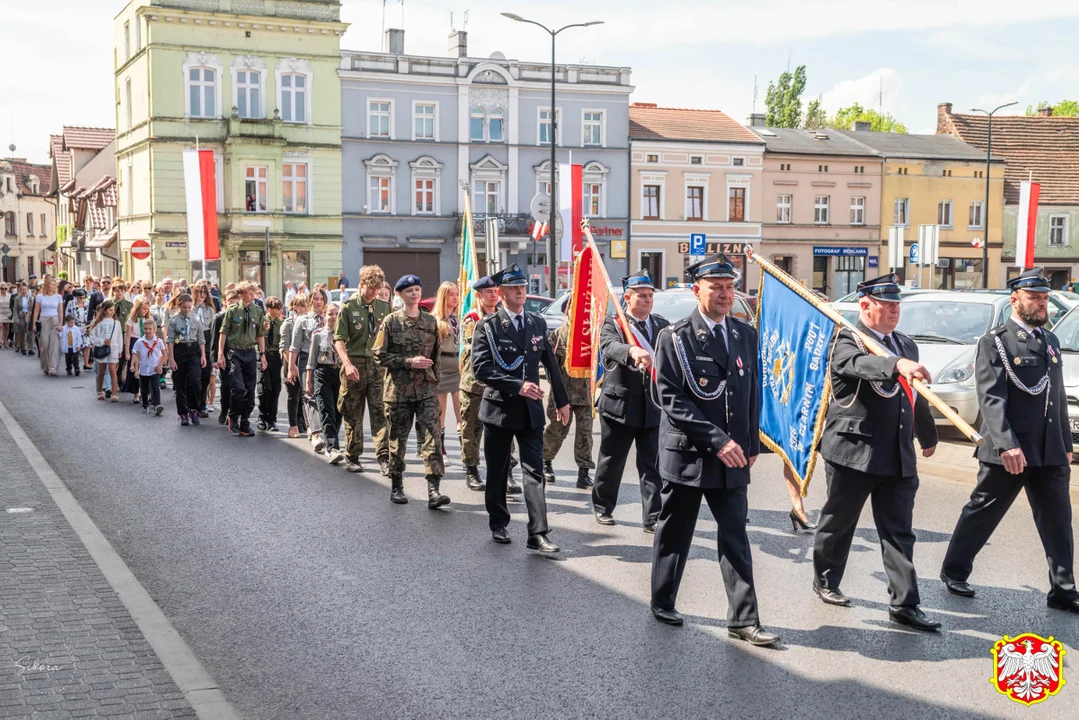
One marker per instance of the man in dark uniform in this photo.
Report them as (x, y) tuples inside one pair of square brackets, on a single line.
[(1028, 444), (507, 350), (868, 451), (242, 331), (706, 378), (627, 413)]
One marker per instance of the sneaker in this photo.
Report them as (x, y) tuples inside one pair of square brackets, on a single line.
[(184, 422), (335, 457), (162, 382), (145, 409), (234, 426), (158, 410), (318, 442), (271, 427), (194, 418), (261, 426), (108, 393), (210, 408), (246, 431)]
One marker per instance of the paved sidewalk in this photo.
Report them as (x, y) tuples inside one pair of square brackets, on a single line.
[(68, 646)]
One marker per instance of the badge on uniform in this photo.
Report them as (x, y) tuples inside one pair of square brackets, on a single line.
[(739, 361), (1021, 335), (734, 333), (1018, 360), (702, 381), (1052, 354)]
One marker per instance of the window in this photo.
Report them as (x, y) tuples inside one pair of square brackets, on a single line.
[(857, 211), (425, 196), (822, 168), (902, 210), (425, 175), (487, 197), (944, 213), (256, 188), (695, 160), (736, 204), (820, 209), (650, 202), (9, 223), (976, 214), (694, 203), (495, 126), (294, 187), (486, 127), (249, 93), (379, 201), (378, 118), (138, 35), (947, 173), (652, 158), (202, 92), (1058, 230), (476, 125), (423, 121), (127, 40), (127, 102), (592, 128), (593, 199), (294, 97), (738, 161), (783, 208), (42, 226), (545, 125), (784, 167), (295, 267), (29, 223)]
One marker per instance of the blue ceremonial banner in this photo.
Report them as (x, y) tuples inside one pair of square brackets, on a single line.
[(795, 339)]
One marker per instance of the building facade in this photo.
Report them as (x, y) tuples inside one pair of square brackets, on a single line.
[(29, 226), (83, 194), (821, 207), (1042, 148), (256, 81), (417, 127), (695, 172)]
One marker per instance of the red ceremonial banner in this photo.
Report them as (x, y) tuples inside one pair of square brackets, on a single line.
[(587, 308)]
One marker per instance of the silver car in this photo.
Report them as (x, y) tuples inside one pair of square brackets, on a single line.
[(673, 304), (1067, 332)]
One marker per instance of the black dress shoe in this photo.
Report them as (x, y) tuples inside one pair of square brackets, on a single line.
[(541, 543), (1067, 604), (500, 536), (912, 616), (831, 597), (957, 587), (668, 617), (604, 518), (754, 635), (650, 529)]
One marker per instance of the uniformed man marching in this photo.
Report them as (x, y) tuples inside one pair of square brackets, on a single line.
[(868, 451), (627, 413), (706, 377), (507, 350), (1028, 443), (580, 402), (242, 330)]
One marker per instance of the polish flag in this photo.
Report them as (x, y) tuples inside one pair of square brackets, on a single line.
[(635, 338), (976, 242), (571, 208), (200, 189), (1026, 223), (538, 230)]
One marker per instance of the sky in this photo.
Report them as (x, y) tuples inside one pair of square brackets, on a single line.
[(683, 53)]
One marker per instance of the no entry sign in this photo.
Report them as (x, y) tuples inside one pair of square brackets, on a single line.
[(140, 249)]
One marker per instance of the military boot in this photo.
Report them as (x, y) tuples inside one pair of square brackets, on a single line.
[(512, 486), (583, 481), (472, 478), (397, 490), (435, 499), (548, 472)]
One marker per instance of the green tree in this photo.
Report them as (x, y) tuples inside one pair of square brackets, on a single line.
[(816, 115), (846, 117), (1064, 108), (784, 99)]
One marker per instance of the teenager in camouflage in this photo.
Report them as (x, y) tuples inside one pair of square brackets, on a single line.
[(580, 401)]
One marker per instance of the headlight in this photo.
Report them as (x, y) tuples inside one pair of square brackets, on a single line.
[(956, 373)]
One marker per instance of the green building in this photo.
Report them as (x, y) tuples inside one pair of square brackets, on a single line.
[(256, 81)]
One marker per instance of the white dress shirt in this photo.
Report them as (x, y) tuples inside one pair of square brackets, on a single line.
[(712, 327)]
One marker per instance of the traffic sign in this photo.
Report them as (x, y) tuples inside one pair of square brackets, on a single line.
[(913, 254), (140, 250), (697, 243), (5, 249), (541, 208)]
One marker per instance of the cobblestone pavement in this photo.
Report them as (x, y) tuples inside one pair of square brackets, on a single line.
[(68, 646)]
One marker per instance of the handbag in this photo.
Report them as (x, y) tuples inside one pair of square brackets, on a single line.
[(102, 352)]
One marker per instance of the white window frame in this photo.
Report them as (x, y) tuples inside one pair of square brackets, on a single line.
[(594, 173), (904, 203), (857, 210), (970, 211), (487, 170), (539, 125), (543, 177), (1063, 231), (822, 211), (296, 162), (416, 105), (487, 126), (381, 167), (426, 168), (694, 180), (738, 181), (249, 64), (654, 178), (586, 124), (951, 213), (298, 67), (202, 61), (44, 228), (265, 181), (368, 114), (138, 34), (784, 209)]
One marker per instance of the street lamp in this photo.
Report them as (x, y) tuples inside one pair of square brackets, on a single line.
[(552, 254), (985, 210)]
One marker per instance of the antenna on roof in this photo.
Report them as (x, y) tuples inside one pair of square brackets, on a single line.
[(383, 21), (466, 20), (402, 14), (754, 94), (880, 105), (452, 28)]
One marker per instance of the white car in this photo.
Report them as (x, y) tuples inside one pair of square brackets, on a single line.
[(1067, 332)]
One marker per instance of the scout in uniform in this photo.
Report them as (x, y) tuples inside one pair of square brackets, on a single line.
[(627, 413), (216, 348), (242, 329), (868, 452), (186, 347), (407, 346), (1028, 443), (580, 402), (269, 392), (507, 350), (706, 383), (361, 380)]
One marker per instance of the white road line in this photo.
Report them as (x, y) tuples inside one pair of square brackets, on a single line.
[(198, 687)]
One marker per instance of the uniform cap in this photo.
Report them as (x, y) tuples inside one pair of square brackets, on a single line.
[(638, 280), (884, 288), (406, 282), (510, 277), (713, 266), (484, 283), (1033, 280)]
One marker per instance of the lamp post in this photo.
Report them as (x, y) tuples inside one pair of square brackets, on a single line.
[(552, 253), (985, 209)]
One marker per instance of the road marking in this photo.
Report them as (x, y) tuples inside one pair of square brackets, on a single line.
[(198, 687)]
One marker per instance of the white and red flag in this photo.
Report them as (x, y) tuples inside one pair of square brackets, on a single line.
[(1026, 223), (976, 242), (200, 189), (538, 230), (571, 208)]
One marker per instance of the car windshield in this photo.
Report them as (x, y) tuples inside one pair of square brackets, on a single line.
[(958, 321), (671, 304), (1067, 332)]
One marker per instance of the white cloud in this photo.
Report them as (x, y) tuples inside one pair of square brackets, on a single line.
[(866, 91)]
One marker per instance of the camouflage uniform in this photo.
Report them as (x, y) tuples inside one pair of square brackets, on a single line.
[(354, 329), (471, 396), (410, 395), (580, 400)]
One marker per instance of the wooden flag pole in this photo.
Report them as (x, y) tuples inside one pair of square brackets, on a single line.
[(871, 344)]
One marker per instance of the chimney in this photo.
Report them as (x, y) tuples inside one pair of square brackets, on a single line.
[(944, 123), (756, 120), (862, 126), (459, 43), (394, 42), (1045, 111)]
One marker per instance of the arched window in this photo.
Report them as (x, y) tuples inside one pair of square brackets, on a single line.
[(202, 91), (494, 126), (476, 125)]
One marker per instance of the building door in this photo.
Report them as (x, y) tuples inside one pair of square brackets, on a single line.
[(251, 267), (397, 263), (784, 263), (820, 274), (652, 261)]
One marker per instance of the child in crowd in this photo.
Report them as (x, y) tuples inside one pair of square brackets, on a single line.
[(187, 356), (147, 357), (324, 383), (71, 342), (269, 387)]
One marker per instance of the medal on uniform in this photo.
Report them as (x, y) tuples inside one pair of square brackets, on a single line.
[(702, 381), (1021, 335), (1018, 361), (734, 333), (1052, 354), (739, 362)]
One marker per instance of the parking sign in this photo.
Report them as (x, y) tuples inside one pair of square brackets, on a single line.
[(914, 255), (697, 243)]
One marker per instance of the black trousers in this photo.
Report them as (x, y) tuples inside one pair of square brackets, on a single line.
[(71, 359), (243, 371), (680, 505), (150, 390), (224, 394), (296, 416), (270, 388), (186, 381), (892, 499), (615, 439), (1047, 492), (327, 384), (496, 452), (207, 376)]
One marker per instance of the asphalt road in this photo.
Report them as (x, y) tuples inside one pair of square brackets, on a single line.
[(308, 595)]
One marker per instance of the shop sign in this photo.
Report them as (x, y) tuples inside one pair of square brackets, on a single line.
[(873, 262), (727, 248), (618, 249), (604, 230), (834, 250)]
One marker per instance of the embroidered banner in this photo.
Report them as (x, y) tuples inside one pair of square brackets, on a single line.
[(587, 308)]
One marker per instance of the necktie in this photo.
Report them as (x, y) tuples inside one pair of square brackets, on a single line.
[(718, 332), (370, 320), (642, 325), (890, 345), (520, 328)]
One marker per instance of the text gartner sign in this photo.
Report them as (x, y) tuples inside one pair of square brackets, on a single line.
[(697, 243)]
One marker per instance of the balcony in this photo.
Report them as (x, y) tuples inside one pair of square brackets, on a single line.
[(508, 224)]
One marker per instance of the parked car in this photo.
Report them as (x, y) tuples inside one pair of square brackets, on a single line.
[(1060, 302), (1067, 332), (339, 296), (849, 310), (673, 304), (905, 291), (533, 303)]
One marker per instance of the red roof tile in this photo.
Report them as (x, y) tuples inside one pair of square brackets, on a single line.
[(24, 171), (61, 158), (87, 138), (648, 122)]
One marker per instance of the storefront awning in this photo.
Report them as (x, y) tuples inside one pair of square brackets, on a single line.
[(103, 241)]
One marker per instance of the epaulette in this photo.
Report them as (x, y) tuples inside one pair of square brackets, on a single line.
[(678, 324), (660, 317), (999, 329)]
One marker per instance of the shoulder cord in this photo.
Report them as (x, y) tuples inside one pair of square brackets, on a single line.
[(1038, 389), (878, 388), (687, 371), (498, 358)]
